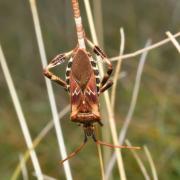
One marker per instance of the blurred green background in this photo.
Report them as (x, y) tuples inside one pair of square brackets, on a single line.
[(156, 121)]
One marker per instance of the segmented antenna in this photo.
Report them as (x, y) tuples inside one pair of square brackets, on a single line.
[(79, 26)]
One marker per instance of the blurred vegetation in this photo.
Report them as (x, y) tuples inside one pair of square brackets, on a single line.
[(156, 120)]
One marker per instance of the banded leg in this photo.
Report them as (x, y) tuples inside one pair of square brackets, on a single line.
[(106, 86), (100, 53), (59, 59)]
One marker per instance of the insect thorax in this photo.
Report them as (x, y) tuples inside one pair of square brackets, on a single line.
[(81, 65)]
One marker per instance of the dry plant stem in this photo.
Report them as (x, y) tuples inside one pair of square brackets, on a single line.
[(98, 21), (118, 68), (100, 157), (57, 124), (97, 10), (140, 163), (37, 140), (23, 168), (149, 157), (128, 118), (174, 41), (101, 161), (45, 177), (136, 53), (106, 96), (20, 114)]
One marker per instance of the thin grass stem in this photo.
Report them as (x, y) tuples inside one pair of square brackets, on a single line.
[(46, 177), (118, 68), (20, 114), (37, 141), (101, 161), (57, 124), (128, 118), (100, 156), (23, 168), (139, 162), (152, 165), (106, 95), (138, 52), (174, 41)]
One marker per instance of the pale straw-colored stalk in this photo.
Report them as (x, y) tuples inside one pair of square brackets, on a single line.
[(118, 68), (37, 141), (106, 95), (23, 168), (46, 177), (138, 52), (174, 41), (101, 161), (97, 10), (98, 21), (152, 165), (20, 114), (132, 106), (139, 162), (56, 121)]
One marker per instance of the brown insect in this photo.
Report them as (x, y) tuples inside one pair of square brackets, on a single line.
[(83, 82)]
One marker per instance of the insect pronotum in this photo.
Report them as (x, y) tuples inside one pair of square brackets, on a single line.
[(83, 82)]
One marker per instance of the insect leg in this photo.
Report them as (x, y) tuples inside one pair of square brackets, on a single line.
[(76, 151), (106, 86), (100, 53), (59, 59)]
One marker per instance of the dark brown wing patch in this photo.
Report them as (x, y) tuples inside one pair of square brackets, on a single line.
[(81, 68)]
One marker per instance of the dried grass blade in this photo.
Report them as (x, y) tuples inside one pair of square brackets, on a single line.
[(140, 163), (57, 124), (20, 114), (118, 68), (37, 140), (138, 52), (153, 168), (106, 95), (128, 118), (174, 41)]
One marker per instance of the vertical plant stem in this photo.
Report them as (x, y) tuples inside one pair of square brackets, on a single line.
[(57, 124), (128, 119), (100, 156), (97, 9), (153, 168), (140, 163), (101, 161), (98, 21), (37, 140), (20, 114), (118, 68), (23, 168), (106, 96)]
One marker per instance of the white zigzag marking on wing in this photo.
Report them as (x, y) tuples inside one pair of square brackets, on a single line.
[(89, 92), (76, 92)]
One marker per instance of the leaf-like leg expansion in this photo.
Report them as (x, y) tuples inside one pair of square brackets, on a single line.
[(59, 59)]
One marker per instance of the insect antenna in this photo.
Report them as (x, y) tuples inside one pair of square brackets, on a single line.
[(78, 22), (113, 146), (75, 152)]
